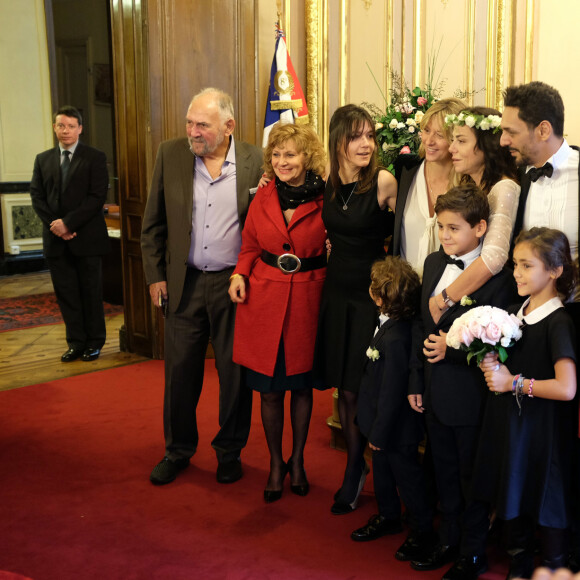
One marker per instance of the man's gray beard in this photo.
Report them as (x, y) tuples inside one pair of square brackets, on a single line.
[(206, 148)]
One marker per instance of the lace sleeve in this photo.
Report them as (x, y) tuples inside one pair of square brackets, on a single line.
[(503, 202)]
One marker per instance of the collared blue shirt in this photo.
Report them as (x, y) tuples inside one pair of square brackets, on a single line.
[(216, 237)]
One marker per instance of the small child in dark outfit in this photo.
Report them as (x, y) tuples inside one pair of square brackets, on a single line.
[(392, 428)]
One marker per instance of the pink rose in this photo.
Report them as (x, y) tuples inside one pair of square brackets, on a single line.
[(405, 150), (492, 334), (475, 328), (465, 336), (421, 101)]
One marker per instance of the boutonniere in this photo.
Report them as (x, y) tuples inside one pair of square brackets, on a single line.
[(467, 301), (373, 353)]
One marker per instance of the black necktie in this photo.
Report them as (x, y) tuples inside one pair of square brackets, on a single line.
[(65, 165), (536, 172), (454, 262)]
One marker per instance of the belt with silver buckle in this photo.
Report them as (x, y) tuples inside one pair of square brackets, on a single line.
[(290, 263)]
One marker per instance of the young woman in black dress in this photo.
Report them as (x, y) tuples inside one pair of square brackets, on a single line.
[(356, 214)]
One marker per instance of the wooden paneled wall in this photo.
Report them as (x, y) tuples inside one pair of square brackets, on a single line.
[(164, 52)]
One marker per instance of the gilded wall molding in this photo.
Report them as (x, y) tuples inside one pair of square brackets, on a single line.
[(343, 63), (316, 24), (417, 43), (500, 52), (470, 51), (529, 54)]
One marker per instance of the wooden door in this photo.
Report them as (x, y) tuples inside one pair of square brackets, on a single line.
[(165, 51)]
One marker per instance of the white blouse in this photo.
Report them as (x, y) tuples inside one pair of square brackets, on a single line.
[(418, 229)]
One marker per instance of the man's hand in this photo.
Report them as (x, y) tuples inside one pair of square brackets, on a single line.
[(58, 228), (158, 293)]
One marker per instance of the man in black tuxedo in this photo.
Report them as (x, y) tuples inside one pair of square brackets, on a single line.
[(533, 130), (450, 392), (68, 190)]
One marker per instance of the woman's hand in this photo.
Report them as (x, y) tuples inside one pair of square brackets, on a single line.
[(374, 447), (416, 402), (264, 180), (237, 289), (497, 376), (435, 347)]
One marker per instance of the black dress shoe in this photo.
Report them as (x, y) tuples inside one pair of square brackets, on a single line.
[(377, 527), (521, 565), (298, 488), (416, 545), (467, 568), (166, 470), (71, 354), (437, 557), (229, 471), (90, 354)]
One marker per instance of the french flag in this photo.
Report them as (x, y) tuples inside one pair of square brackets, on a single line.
[(286, 102)]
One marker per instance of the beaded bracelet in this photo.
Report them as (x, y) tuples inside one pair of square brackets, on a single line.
[(530, 389)]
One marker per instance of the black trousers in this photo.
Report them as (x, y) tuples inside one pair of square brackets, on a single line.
[(78, 285), (205, 311), (399, 469), (464, 521)]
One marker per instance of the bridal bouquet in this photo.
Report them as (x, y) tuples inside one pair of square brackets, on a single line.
[(484, 329)]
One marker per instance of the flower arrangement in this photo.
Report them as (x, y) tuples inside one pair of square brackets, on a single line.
[(484, 329), (481, 122), (373, 354), (397, 127)]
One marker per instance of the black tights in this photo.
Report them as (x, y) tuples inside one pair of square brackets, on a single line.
[(355, 446), (272, 407)]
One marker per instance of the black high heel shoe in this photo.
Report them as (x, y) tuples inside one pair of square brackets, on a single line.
[(339, 507), (271, 496), (301, 489)]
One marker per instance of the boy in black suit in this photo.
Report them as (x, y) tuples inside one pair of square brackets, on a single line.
[(385, 418), (448, 391), (68, 190)]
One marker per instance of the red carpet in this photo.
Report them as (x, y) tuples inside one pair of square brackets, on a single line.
[(77, 504), (36, 310)]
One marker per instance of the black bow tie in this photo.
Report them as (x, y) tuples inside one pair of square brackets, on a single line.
[(454, 262), (536, 172)]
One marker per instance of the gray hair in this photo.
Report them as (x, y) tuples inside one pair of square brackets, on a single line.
[(223, 101)]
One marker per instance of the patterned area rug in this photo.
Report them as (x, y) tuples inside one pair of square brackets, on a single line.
[(36, 310)]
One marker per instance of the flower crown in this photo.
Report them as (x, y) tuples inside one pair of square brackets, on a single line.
[(474, 121)]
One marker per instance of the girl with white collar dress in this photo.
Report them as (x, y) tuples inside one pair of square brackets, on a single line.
[(523, 461)]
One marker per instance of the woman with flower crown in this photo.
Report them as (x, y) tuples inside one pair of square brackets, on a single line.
[(478, 157)]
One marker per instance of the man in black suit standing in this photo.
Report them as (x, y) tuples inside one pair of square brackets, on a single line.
[(68, 190)]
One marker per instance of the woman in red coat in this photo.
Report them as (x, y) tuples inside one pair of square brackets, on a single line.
[(277, 285)]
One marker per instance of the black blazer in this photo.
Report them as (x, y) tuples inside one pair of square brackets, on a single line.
[(78, 202), (406, 166), (451, 389), (384, 414)]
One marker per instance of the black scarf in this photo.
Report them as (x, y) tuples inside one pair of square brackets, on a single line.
[(291, 197)]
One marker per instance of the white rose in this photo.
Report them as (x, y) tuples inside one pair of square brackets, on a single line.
[(484, 125), (385, 146), (393, 124), (378, 126), (411, 129), (411, 122), (419, 116), (470, 121), (400, 125), (495, 120), (505, 341)]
